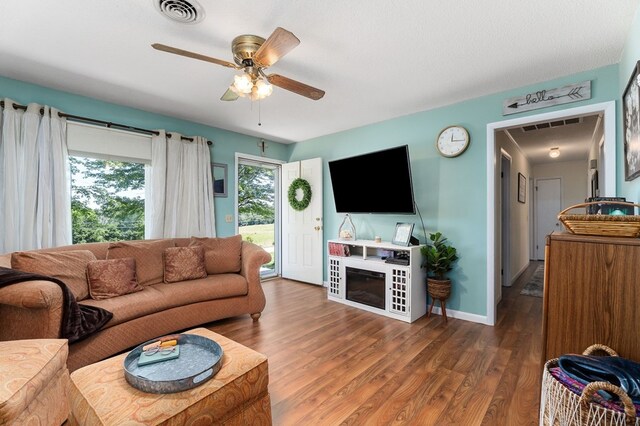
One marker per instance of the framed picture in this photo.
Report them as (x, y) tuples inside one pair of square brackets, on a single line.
[(631, 125), (402, 236), (219, 176), (522, 188)]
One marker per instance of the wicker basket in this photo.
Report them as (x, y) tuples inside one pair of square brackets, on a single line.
[(602, 225), (559, 406), (439, 289)]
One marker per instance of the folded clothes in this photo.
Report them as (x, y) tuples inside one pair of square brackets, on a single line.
[(618, 371)]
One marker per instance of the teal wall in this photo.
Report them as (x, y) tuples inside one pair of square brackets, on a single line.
[(451, 193), (226, 143), (630, 56)]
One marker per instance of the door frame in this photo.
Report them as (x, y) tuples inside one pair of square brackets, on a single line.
[(609, 111), (277, 200), (505, 220)]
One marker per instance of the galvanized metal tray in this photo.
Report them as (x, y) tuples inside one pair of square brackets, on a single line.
[(200, 359)]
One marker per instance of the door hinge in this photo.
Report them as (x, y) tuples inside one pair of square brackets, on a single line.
[(501, 271), (501, 174), (536, 188)]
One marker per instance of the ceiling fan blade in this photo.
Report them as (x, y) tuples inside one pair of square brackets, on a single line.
[(229, 95), (295, 86), (279, 43), (193, 55)]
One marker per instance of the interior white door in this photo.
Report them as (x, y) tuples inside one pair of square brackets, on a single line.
[(302, 234), (548, 205)]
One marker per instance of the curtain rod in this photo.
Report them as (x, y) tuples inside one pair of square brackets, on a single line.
[(107, 124)]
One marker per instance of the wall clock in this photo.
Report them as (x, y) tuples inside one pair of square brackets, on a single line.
[(452, 141)]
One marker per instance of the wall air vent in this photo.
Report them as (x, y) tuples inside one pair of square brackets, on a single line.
[(183, 11), (556, 123)]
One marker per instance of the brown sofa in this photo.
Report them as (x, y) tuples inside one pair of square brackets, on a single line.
[(33, 309)]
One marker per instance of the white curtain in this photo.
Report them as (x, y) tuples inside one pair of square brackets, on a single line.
[(35, 200), (179, 188)]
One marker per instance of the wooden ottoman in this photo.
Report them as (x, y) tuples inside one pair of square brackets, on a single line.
[(34, 382), (236, 395)]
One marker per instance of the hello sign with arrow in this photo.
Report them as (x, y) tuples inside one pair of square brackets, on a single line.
[(547, 97)]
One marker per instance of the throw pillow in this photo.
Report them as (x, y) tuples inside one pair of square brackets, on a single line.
[(148, 256), (112, 277), (184, 263), (68, 266), (221, 255)]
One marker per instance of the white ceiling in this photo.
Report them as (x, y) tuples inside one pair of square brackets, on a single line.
[(376, 59)]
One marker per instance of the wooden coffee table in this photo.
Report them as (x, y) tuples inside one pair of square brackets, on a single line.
[(236, 395)]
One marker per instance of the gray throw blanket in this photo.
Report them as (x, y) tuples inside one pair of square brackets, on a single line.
[(78, 321)]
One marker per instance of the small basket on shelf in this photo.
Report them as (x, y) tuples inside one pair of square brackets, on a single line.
[(601, 224), (577, 405)]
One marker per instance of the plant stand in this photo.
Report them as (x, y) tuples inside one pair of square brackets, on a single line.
[(440, 290)]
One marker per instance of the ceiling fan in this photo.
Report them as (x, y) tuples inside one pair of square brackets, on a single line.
[(254, 54)]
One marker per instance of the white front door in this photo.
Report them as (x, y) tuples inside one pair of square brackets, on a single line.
[(302, 235), (548, 205)]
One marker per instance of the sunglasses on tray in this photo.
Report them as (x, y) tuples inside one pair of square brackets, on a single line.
[(157, 349)]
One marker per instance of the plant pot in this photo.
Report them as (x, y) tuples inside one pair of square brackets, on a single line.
[(439, 289)]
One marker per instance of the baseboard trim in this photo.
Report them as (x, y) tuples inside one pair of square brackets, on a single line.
[(524, 268), (480, 319)]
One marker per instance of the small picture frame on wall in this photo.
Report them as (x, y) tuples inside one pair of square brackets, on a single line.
[(522, 188), (219, 176), (631, 125)]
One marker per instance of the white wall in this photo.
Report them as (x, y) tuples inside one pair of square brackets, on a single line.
[(574, 177), (519, 212)]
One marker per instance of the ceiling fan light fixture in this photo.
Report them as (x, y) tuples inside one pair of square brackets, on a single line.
[(243, 83), (253, 54), (263, 88), (554, 152)]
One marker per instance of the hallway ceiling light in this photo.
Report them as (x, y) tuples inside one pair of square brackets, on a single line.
[(554, 152)]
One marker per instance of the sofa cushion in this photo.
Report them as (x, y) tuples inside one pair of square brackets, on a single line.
[(112, 277), (184, 263), (221, 255), (68, 266), (159, 297), (148, 256)]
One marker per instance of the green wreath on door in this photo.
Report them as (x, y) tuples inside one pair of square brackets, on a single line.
[(302, 184)]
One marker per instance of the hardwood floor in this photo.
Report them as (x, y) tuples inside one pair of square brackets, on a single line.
[(332, 364)]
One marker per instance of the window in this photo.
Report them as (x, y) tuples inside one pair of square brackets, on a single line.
[(107, 183), (107, 200)]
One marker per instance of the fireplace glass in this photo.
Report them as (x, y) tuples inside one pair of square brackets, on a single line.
[(366, 287)]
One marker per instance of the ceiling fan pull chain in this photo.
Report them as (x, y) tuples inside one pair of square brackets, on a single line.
[(259, 114)]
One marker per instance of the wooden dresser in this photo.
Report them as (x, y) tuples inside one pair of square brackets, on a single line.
[(591, 295)]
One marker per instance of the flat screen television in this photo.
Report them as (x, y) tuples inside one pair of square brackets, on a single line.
[(377, 182)]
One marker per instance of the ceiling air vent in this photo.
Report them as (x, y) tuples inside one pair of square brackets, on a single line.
[(556, 123), (183, 11)]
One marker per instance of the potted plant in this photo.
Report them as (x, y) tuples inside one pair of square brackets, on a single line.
[(438, 259)]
